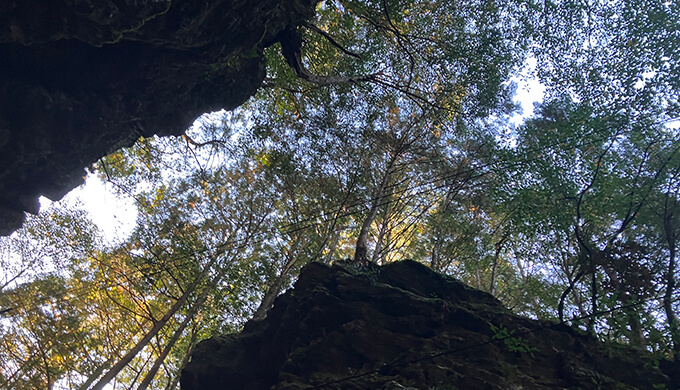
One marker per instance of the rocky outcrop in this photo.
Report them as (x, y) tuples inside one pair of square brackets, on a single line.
[(79, 79), (403, 326)]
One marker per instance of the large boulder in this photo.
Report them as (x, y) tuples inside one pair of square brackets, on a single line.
[(80, 79), (403, 326)]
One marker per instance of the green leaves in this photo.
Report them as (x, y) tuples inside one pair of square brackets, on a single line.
[(512, 343)]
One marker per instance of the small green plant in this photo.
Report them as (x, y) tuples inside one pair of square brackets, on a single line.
[(442, 386), (512, 343), (596, 381)]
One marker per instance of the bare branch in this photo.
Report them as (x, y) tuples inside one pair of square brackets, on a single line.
[(330, 39), (199, 144)]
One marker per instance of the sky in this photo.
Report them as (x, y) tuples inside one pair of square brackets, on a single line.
[(115, 216)]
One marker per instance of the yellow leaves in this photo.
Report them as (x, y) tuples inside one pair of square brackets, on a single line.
[(158, 198), (265, 159)]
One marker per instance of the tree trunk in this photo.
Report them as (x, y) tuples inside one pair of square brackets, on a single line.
[(172, 384), (274, 290), (499, 248), (125, 360), (520, 266), (361, 251), (434, 262), (291, 49), (173, 340), (387, 247), (379, 246), (587, 261), (332, 230), (331, 247), (142, 343), (95, 375), (567, 291)]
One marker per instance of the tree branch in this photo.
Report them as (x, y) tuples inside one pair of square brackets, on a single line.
[(291, 48), (330, 39), (199, 144)]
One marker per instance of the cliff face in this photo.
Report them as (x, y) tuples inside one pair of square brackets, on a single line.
[(403, 326), (80, 79)]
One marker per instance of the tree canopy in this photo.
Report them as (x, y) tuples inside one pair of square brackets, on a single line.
[(382, 133)]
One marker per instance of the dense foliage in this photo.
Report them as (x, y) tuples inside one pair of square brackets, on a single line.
[(391, 140)]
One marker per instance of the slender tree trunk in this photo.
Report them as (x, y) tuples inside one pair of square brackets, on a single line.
[(48, 378), (387, 247), (584, 247), (637, 336), (331, 247), (173, 340), (434, 262), (268, 299), (499, 248), (520, 266), (332, 231), (125, 360), (567, 291), (379, 246), (95, 375), (587, 261), (274, 290), (172, 384), (361, 251), (578, 301)]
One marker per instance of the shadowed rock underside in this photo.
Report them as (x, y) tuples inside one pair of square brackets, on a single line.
[(80, 79)]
